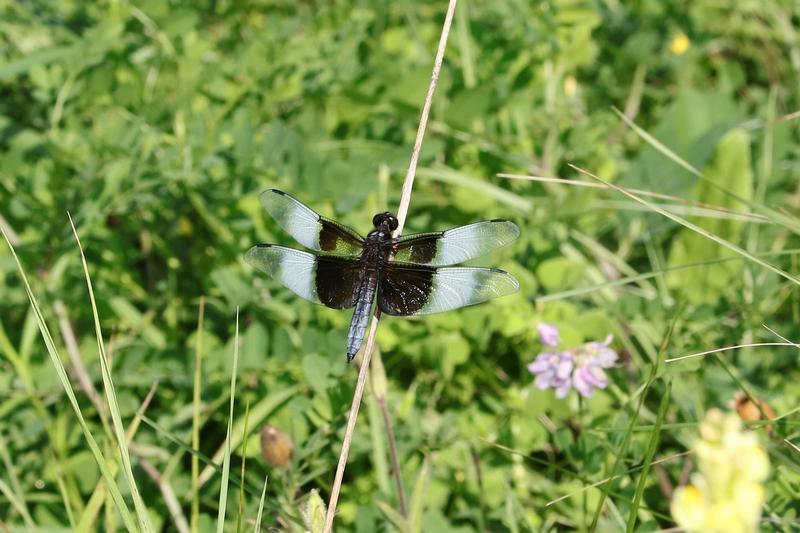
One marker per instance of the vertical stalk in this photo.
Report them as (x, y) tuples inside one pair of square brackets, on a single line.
[(198, 357), (402, 212), (398, 476)]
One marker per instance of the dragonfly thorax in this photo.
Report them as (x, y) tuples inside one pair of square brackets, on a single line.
[(379, 235)]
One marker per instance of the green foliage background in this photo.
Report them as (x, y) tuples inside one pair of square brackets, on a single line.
[(156, 124)]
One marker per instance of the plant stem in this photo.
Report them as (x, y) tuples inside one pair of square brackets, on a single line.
[(405, 196), (402, 212), (198, 376), (351, 423), (398, 477), (476, 461)]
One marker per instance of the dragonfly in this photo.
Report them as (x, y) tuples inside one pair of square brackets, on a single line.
[(408, 275)]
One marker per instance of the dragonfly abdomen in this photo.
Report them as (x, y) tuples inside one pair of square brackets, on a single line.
[(358, 326)]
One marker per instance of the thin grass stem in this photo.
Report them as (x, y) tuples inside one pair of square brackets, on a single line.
[(351, 423), (196, 389), (257, 527), (226, 460), (727, 349), (476, 462), (17, 503), (14, 484), (84, 380), (402, 212), (396, 473), (705, 207), (89, 514), (102, 463), (240, 510), (171, 501), (111, 398), (694, 227)]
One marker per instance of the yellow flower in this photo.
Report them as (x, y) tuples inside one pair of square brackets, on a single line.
[(689, 507), (727, 493), (570, 86), (680, 43), (185, 226)]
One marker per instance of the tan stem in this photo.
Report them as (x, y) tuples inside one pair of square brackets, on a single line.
[(351, 424), (402, 212)]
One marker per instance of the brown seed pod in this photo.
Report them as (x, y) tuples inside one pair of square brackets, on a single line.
[(747, 410), (276, 446)]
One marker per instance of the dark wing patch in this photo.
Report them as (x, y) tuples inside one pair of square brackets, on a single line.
[(338, 280), (419, 248), (407, 289), (404, 289), (333, 281), (338, 238)]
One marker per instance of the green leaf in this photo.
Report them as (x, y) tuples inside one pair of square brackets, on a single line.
[(731, 166), (316, 371), (418, 497), (558, 273)]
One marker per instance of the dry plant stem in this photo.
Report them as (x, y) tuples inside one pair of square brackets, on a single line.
[(74, 353), (753, 217), (402, 212), (171, 501), (351, 424), (405, 196), (398, 477)]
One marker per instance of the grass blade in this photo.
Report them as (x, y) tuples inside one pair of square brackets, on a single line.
[(697, 229), (226, 460), (257, 527), (89, 514), (17, 504), (250, 488), (653, 274), (778, 217), (448, 175), (397, 520), (63, 491), (418, 499), (15, 488), (55, 358), (626, 440), (648, 458), (697, 208), (196, 396), (111, 398), (240, 512)]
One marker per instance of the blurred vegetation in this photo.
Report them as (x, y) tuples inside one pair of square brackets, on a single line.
[(156, 124)]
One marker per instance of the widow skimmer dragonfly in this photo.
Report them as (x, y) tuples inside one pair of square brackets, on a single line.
[(405, 273)]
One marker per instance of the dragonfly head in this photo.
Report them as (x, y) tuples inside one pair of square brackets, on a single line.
[(385, 221)]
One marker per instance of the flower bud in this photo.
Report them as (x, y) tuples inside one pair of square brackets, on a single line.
[(748, 410), (276, 446)]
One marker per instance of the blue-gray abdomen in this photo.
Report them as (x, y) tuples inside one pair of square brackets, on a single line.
[(358, 326)]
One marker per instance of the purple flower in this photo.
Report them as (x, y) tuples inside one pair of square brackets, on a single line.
[(553, 370), (548, 334), (580, 367), (587, 378)]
